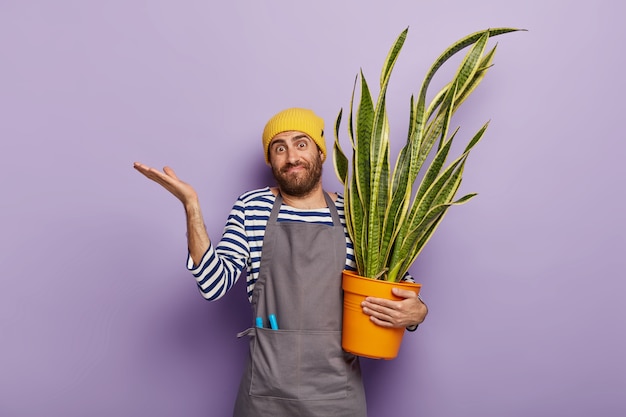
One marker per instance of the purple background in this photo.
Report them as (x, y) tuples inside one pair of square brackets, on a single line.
[(98, 316)]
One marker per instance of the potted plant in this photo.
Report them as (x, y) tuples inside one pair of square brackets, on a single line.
[(391, 214)]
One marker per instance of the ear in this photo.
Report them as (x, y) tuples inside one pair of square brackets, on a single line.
[(322, 156)]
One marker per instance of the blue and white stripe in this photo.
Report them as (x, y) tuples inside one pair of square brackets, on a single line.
[(242, 242)]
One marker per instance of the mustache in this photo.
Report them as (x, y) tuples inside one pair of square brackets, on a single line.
[(289, 165)]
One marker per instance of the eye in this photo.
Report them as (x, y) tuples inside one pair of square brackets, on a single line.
[(279, 148), (301, 144)]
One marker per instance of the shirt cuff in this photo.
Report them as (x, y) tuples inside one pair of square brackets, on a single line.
[(196, 269)]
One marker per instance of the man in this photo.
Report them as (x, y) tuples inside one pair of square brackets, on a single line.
[(293, 242)]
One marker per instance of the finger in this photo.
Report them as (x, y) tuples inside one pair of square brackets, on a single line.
[(387, 315), (399, 292), (394, 319), (381, 323), (140, 167), (382, 302), (170, 172), (157, 176), (153, 174), (382, 313), (144, 169)]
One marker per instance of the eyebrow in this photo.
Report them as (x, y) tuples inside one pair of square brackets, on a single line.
[(293, 139)]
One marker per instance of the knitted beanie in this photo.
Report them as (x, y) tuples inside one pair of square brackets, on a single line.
[(301, 120)]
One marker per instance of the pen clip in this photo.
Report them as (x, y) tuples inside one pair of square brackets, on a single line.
[(273, 322)]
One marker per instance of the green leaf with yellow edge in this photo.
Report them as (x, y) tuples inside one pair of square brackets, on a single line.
[(392, 213)]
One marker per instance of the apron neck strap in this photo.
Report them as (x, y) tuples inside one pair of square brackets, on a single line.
[(329, 202)]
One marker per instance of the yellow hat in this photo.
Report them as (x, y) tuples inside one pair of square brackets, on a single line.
[(301, 120)]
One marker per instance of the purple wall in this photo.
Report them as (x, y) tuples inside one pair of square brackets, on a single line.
[(98, 316)]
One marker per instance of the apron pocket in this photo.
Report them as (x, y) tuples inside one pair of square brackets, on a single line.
[(302, 365)]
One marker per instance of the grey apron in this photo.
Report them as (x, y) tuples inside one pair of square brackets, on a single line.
[(300, 369)]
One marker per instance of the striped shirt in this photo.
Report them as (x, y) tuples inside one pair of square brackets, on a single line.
[(242, 242)]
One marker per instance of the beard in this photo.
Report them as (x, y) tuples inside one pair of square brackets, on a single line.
[(300, 184)]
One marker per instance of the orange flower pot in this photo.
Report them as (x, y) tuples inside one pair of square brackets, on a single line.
[(360, 336)]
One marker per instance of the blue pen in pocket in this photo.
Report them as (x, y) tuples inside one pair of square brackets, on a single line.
[(259, 322), (273, 322)]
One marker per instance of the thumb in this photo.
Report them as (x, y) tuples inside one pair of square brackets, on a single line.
[(170, 172), (399, 292)]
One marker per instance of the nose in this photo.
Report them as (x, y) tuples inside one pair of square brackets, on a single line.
[(292, 155)]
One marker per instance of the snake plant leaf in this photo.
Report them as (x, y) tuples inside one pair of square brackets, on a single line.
[(437, 128), (340, 161), (424, 237), (418, 156), (427, 180), (435, 189), (392, 213), (442, 200), (379, 167), (484, 66), (364, 123), (405, 251), (412, 117), (417, 122), (379, 163), (410, 247), (437, 101), (449, 188), (400, 195), (477, 137), (449, 53), (470, 63), (350, 118), (468, 67), (356, 227), (458, 46), (446, 185), (392, 57), (435, 167)]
